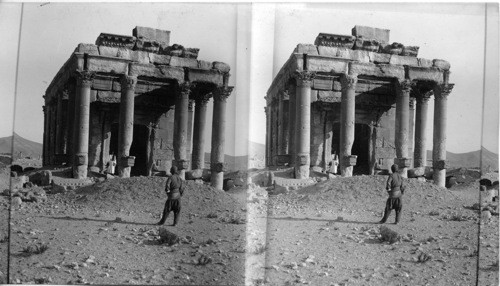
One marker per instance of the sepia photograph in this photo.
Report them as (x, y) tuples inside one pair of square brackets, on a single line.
[(249, 143)]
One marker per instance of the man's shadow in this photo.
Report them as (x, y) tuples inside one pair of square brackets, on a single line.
[(329, 221), (108, 222)]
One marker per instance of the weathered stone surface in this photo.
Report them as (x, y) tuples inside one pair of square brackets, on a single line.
[(379, 58), (223, 67), (172, 72), (194, 174), (393, 49), (403, 60), (108, 96), (334, 40), (159, 59), (108, 51), (183, 62), (41, 178), (306, 49), (429, 74), (168, 237), (329, 96), (147, 46), (147, 70), (381, 35), (204, 65), (87, 49), (16, 202), (366, 44), (441, 64), (208, 76), (379, 70), (325, 64), (425, 63), (190, 53), (107, 65), (416, 172), (151, 34), (113, 40), (411, 51)]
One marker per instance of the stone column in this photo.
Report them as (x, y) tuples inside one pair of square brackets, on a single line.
[(282, 126), (45, 136), (441, 93), (303, 123), (291, 123), (218, 129), (420, 152), (126, 126), (71, 122), (402, 159), (285, 121), (189, 150), (411, 130), (347, 121), (268, 135), (181, 128), (82, 113), (200, 115), (59, 123)]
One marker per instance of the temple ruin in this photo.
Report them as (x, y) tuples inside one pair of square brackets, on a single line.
[(361, 98), (134, 97)]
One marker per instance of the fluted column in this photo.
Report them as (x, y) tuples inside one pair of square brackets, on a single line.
[(218, 136), (189, 150), (82, 113), (181, 128), (126, 126), (441, 93), (268, 135), (282, 127), (303, 123), (285, 121), (347, 121), (70, 153), (200, 115), (45, 135), (420, 152), (403, 89)]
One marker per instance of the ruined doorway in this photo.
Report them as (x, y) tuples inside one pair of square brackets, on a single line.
[(139, 149), (361, 148)]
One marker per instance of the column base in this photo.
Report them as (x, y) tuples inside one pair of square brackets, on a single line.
[(439, 177), (124, 172), (346, 171), (80, 172), (302, 172), (217, 180)]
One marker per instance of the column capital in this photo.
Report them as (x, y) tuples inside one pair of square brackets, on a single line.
[(184, 88), (423, 97), (442, 91), (406, 85), (348, 81), (84, 78), (129, 81), (221, 93), (304, 78), (203, 98)]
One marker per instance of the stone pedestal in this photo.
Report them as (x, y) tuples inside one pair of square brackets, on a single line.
[(347, 117), (303, 123), (200, 114), (181, 126), (220, 96), (291, 123), (441, 93), (420, 153), (82, 113), (403, 90), (126, 125)]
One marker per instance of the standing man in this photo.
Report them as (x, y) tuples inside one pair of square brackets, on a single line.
[(395, 188), (174, 189)]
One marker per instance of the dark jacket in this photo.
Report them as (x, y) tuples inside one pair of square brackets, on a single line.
[(395, 185), (174, 187)]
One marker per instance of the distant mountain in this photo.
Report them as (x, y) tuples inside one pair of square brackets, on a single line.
[(27, 147), (470, 159)]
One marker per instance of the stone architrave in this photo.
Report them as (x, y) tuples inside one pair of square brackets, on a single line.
[(126, 125), (200, 114), (347, 117), (402, 129), (420, 152), (181, 128), (220, 96), (303, 123), (441, 92), (82, 113)]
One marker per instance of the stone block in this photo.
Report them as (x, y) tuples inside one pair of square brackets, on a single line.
[(87, 49), (441, 64), (207, 76), (381, 35), (147, 70), (403, 162), (139, 56), (16, 202), (194, 174), (220, 66), (416, 172), (378, 70), (337, 86), (334, 40), (366, 44), (108, 51), (218, 167), (411, 51), (379, 58), (323, 83), (108, 96), (146, 46), (440, 164), (328, 51), (93, 95), (425, 63), (112, 40), (324, 64), (403, 60), (107, 65), (102, 84), (427, 74), (183, 62), (172, 73), (360, 55), (41, 178), (350, 160), (151, 34), (303, 159), (329, 96), (204, 65), (306, 49), (190, 53), (159, 59)]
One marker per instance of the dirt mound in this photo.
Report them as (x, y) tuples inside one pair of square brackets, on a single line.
[(141, 192)]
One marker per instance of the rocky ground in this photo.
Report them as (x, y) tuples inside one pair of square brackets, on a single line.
[(4, 220), (324, 234)]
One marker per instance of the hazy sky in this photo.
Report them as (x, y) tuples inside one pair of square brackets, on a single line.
[(255, 40)]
